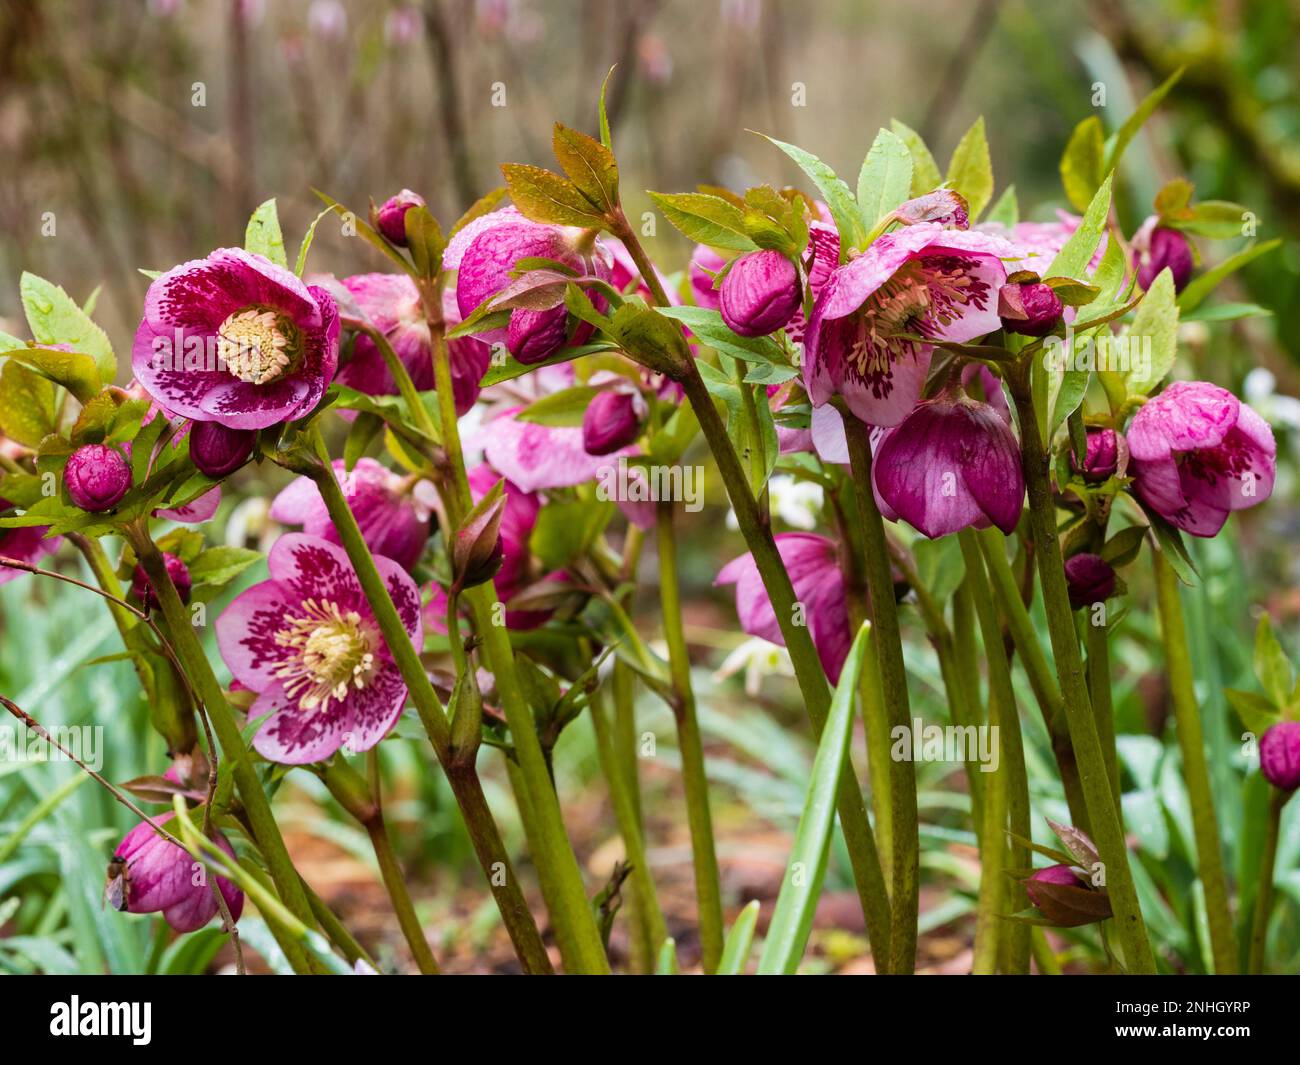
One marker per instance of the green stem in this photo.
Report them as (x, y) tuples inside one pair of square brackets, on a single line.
[(363, 803), (1196, 771), (482, 829), (256, 805), (1097, 639), (1264, 891), (708, 889), (1102, 816), (1042, 682), (561, 878), (905, 896)]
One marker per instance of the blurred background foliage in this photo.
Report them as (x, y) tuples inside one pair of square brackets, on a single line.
[(145, 131)]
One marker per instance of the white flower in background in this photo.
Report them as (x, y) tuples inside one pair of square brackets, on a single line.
[(795, 501), (758, 659)]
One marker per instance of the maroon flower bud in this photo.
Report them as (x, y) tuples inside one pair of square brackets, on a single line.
[(1090, 578), (1155, 248), (760, 293), (534, 336), (612, 420), (390, 219), (1103, 456), (142, 587), (1279, 755), (97, 477), (1064, 899), (218, 451), (1031, 310)]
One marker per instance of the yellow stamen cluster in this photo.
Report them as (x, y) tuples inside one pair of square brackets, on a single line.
[(255, 345), (332, 650)]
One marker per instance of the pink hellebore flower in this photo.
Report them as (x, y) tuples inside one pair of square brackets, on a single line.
[(236, 339), (161, 876), (951, 464), (1197, 453), (393, 521), (1156, 247), (486, 255), (814, 567), (390, 217), (1039, 242), (869, 335), (760, 294), (307, 642), (97, 476)]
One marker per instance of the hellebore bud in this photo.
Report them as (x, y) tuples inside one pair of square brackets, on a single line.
[(1031, 309), (1102, 459), (612, 420), (1064, 899), (534, 336), (1090, 579), (218, 451), (760, 293), (142, 587), (1279, 755), (1154, 248), (390, 219), (97, 477), (478, 552)]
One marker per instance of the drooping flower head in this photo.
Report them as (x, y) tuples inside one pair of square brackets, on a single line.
[(951, 464), (307, 642), (236, 339), (393, 512), (97, 476), (614, 417), (1198, 453), (390, 217), (161, 876), (869, 335), (1156, 248), (218, 451), (1089, 578)]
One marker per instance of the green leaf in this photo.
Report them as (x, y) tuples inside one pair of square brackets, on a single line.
[(424, 240), (1200, 287), (590, 165), (1137, 119), (1272, 666), (305, 247), (220, 565), (739, 941), (563, 408), (1226, 312), (54, 318), (1156, 324), (844, 210), (27, 410), (1123, 547), (709, 328), (1215, 219), (925, 172), (787, 935), (605, 137), (1070, 390), (1006, 212), (73, 370), (649, 337), (1082, 161), (970, 171), (365, 427), (565, 530), (705, 219), (1255, 711), (666, 964), (885, 180), (1072, 260), (545, 196), (940, 566), (262, 235), (1174, 550)]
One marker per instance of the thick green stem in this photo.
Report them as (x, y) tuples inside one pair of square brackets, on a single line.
[(1264, 889), (256, 805), (464, 782), (1047, 693), (708, 889), (1098, 643), (1196, 771), (905, 896), (1102, 815)]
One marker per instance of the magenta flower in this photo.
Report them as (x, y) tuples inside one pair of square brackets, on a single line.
[(869, 335), (1039, 242), (1107, 455), (390, 218), (97, 477), (1156, 248), (484, 263), (1279, 755), (307, 642), (235, 339), (614, 417), (952, 464), (161, 876), (142, 587), (390, 303), (820, 260), (1199, 453), (218, 451), (1089, 578), (814, 567), (760, 293), (24, 544), (393, 521), (705, 263), (1031, 310)]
